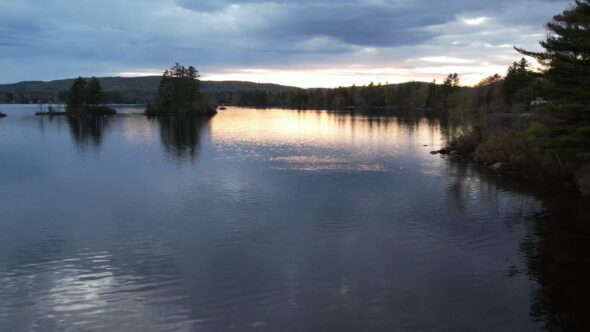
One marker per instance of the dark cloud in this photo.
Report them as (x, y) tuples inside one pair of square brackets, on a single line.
[(41, 40), (365, 23)]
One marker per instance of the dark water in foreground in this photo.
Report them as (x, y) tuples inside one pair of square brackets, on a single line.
[(275, 220)]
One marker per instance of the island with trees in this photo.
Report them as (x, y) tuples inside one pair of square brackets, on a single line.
[(83, 98), (179, 94), (87, 97)]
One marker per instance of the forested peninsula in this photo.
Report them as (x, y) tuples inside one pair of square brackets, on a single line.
[(534, 123)]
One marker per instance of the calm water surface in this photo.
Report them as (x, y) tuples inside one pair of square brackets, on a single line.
[(275, 220)]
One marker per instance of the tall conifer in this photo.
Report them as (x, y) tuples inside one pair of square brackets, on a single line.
[(566, 81)]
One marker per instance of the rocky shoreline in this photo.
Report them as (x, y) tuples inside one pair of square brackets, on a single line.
[(500, 167), (512, 170)]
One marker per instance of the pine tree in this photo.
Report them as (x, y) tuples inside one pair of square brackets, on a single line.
[(178, 92), (77, 96), (432, 95), (95, 97), (517, 87), (450, 86), (488, 91), (566, 82)]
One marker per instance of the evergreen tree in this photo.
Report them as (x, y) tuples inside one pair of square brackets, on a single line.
[(77, 96), (178, 91), (95, 97), (86, 97), (431, 97), (369, 96), (352, 95), (566, 82), (450, 86), (518, 84), (488, 93)]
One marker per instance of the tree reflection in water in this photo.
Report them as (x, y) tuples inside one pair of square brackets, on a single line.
[(88, 129), (556, 247), (181, 135), (558, 259)]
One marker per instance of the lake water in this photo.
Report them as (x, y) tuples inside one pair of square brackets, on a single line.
[(275, 220)]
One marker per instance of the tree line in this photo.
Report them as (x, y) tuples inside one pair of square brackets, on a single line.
[(516, 88)]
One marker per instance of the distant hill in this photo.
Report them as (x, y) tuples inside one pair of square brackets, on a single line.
[(121, 89), (141, 90)]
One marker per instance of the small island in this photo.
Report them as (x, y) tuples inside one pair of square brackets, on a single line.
[(179, 94), (84, 98)]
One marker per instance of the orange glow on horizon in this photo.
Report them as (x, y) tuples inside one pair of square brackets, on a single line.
[(335, 77)]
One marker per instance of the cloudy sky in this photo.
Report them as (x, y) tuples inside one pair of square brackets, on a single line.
[(304, 43)]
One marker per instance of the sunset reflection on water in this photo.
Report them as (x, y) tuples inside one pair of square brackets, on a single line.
[(347, 142)]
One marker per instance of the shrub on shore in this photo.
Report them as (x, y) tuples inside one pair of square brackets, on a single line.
[(505, 146), (467, 143)]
